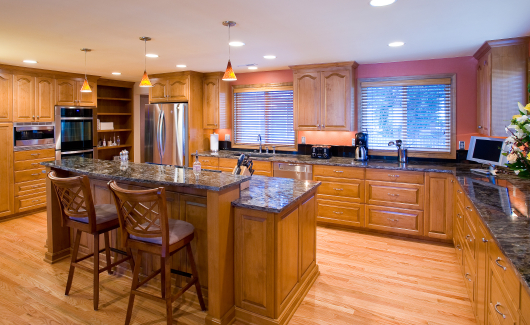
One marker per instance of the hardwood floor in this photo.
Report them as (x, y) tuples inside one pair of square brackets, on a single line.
[(365, 279)]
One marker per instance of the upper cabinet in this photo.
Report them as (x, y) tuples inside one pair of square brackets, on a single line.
[(69, 93), (171, 89), (24, 98), (323, 96), (45, 99), (501, 83), (216, 102), (6, 97)]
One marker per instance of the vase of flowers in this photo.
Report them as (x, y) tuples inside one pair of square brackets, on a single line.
[(518, 142)]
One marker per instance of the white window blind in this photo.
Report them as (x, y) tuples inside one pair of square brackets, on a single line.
[(266, 111), (416, 111)]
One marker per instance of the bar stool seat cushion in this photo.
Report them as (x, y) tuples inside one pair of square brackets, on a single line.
[(104, 213), (178, 229)]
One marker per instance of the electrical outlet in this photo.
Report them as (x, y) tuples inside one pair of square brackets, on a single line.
[(227, 137), (353, 141), (461, 145), (303, 140)]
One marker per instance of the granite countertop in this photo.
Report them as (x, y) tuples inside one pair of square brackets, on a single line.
[(273, 194), (148, 173)]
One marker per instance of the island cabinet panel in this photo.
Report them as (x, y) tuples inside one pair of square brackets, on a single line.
[(287, 267), (24, 98), (439, 205), (45, 99), (341, 213), (307, 236), (6, 97), (6, 169), (402, 221), (336, 100), (307, 101), (395, 194)]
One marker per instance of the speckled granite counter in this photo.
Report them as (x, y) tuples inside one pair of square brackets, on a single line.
[(273, 194), (148, 173)]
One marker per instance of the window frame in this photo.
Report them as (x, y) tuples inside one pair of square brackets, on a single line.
[(256, 88), (420, 154)]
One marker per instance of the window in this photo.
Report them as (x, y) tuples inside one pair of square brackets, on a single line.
[(417, 111), (265, 110)]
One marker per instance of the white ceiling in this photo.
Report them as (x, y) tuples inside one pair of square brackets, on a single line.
[(296, 31)]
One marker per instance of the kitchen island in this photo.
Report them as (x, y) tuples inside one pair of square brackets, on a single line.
[(255, 249)]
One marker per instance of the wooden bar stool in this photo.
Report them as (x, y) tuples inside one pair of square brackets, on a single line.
[(79, 213), (145, 226)]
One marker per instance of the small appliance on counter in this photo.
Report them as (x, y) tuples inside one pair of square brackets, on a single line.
[(321, 152), (214, 142), (361, 151)]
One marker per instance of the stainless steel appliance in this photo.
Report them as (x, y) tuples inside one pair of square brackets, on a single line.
[(321, 152), (294, 171), (34, 134), (361, 141), (74, 132), (166, 130)]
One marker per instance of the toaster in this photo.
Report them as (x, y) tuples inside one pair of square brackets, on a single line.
[(321, 152)]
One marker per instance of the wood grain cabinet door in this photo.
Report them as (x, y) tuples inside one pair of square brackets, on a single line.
[(439, 212), (336, 100), (210, 103), (45, 99), (6, 169), (6, 97), (87, 99), (158, 93), (178, 89), (24, 98), (307, 101), (308, 228), (66, 92)]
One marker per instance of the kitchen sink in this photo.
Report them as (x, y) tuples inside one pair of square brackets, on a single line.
[(256, 154)]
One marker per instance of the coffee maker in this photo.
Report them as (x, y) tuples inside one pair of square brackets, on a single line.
[(361, 151)]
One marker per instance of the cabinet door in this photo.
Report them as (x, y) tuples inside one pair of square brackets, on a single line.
[(87, 99), (6, 169), (484, 95), (6, 97), (482, 273), (157, 93), (308, 228), (307, 101), (210, 111), (66, 92), (24, 98), (439, 212), (178, 89), (45, 99), (336, 100)]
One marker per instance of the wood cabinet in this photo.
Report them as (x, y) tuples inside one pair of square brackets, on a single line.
[(24, 98), (6, 97), (30, 186), (6, 169), (439, 205), (482, 272), (169, 89), (323, 96), (216, 102), (501, 82), (68, 93), (45, 99)]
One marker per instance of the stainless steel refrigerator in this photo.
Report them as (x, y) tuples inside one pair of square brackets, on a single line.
[(166, 129)]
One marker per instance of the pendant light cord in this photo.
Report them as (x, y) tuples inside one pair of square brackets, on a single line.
[(145, 54), (85, 64), (228, 42)]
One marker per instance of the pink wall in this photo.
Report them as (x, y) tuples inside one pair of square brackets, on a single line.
[(466, 90)]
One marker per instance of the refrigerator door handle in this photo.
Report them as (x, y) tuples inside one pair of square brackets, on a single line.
[(162, 134), (158, 128)]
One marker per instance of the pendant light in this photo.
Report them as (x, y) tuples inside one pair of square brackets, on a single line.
[(85, 88), (145, 82), (229, 73)]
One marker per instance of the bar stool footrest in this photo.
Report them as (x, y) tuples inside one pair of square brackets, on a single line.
[(177, 272)]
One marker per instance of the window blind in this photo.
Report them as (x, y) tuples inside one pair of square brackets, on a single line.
[(267, 112), (418, 114)]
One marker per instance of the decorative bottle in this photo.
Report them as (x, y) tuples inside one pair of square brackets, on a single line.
[(118, 140), (104, 142), (197, 164)]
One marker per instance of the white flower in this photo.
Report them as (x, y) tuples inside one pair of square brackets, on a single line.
[(527, 127), (522, 119), (516, 172), (512, 158), (522, 108), (516, 149), (510, 140)]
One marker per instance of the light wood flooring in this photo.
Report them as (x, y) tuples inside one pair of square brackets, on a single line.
[(365, 279)]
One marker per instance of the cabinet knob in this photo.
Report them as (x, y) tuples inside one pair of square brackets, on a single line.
[(38, 116), (484, 240), (480, 127), (33, 116)]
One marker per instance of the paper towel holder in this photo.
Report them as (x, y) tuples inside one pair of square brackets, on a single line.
[(214, 142)]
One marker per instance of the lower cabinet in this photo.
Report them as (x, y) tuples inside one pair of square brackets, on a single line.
[(396, 220), (341, 213), (439, 207), (6, 169)]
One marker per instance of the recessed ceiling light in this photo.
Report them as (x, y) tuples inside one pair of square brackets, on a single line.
[(235, 43), (253, 67), (116, 73), (381, 3), (396, 44), (181, 65), (270, 57), (29, 61), (150, 55)]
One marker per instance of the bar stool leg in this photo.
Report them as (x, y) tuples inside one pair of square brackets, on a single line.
[(167, 289), (73, 259), (131, 260), (195, 277), (134, 286), (163, 277), (96, 271), (107, 251)]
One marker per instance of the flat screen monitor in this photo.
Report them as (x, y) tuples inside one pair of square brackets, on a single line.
[(486, 150)]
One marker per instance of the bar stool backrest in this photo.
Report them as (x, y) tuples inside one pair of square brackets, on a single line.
[(142, 213), (75, 199)]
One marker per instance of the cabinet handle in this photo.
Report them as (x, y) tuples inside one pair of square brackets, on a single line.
[(459, 247), (38, 116), (480, 127), (205, 160), (392, 175), (469, 236), (459, 216), (33, 164), (318, 125), (35, 201), (338, 189), (35, 154), (497, 262), (391, 194), (498, 312), (33, 116), (469, 209), (393, 219), (338, 171), (35, 174), (458, 191), (338, 212), (484, 240), (452, 181), (468, 279), (35, 186)]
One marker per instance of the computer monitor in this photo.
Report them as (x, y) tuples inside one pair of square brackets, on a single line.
[(486, 150)]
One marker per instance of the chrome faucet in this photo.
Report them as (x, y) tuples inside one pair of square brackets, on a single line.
[(259, 139), (402, 152)]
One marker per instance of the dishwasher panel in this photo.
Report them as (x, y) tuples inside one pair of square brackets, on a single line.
[(294, 171)]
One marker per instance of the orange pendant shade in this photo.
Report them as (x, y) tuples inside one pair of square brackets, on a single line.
[(85, 88), (229, 73), (145, 81)]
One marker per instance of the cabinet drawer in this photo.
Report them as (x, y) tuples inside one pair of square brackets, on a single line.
[(459, 215), (499, 265), (335, 171), (337, 189), (227, 162), (209, 161), (499, 304), (395, 220), (30, 175), (471, 214), (469, 278), (30, 202), (30, 187), (349, 214), (525, 305), (469, 238), (395, 176), (226, 169), (459, 248), (401, 195), (29, 164), (35, 154), (460, 196), (263, 173), (265, 166)]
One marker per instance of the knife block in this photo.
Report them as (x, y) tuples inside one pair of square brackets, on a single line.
[(244, 172)]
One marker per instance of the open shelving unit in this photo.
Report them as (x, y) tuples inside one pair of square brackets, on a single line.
[(115, 104)]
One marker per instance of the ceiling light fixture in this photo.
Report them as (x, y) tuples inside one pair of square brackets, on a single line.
[(236, 43), (181, 65), (85, 88), (30, 61), (116, 73), (269, 57), (145, 82), (229, 73), (381, 3), (150, 55), (253, 67), (396, 44)]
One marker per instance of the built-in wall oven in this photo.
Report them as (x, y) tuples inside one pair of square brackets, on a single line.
[(74, 132), (34, 134)]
